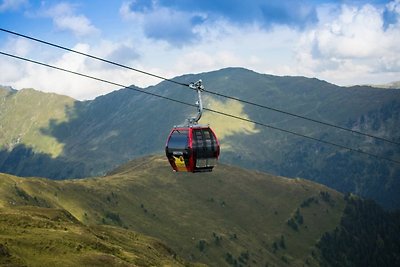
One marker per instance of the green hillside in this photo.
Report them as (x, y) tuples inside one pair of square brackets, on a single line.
[(38, 236), (230, 217), (26, 146), (25, 113), (98, 135)]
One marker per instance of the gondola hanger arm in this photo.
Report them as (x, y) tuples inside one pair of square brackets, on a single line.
[(198, 86)]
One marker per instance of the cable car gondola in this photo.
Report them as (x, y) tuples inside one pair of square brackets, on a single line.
[(193, 147)]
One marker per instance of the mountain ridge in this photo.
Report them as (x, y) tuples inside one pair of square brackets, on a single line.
[(101, 134)]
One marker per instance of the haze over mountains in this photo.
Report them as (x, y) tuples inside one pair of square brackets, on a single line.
[(57, 137), (392, 85)]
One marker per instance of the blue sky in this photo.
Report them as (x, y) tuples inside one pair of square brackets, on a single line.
[(343, 42)]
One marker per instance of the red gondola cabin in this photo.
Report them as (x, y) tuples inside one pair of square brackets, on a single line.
[(192, 148)]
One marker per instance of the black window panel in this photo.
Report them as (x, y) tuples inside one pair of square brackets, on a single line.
[(178, 140), (204, 143)]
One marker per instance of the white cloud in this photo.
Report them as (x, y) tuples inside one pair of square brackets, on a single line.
[(394, 6), (250, 46), (79, 25), (126, 12), (354, 34), (60, 9), (19, 46), (65, 19), (20, 74), (350, 45), (6, 5), (12, 70)]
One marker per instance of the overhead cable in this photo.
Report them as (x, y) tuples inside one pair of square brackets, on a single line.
[(305, 118), (211, 110), (207, 91), (91, 56)]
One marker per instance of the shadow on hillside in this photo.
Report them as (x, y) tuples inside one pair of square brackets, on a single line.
[(101, 134), (23, 161)]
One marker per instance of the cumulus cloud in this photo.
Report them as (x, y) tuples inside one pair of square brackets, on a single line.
[(351, 42), (355, 33), (79, 25), (20, 74), (65, 18)]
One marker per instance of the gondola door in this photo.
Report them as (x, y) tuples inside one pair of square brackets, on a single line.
[(205, 149), (177, 150)]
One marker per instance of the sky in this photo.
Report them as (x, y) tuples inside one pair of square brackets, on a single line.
[(344, 42)]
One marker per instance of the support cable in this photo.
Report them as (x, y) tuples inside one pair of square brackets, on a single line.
[(211, 110), (91, 56), (206, 91)]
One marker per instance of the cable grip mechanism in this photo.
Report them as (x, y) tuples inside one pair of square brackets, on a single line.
[(198, 86)]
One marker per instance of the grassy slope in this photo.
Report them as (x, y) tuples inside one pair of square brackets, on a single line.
[(225, 216), (32, 233), (25, 115), (47, 237)]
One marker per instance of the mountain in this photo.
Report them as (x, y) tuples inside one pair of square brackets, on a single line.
[(98, 135), (25, 112), (143, 214), (229, 215), (26, 148)]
